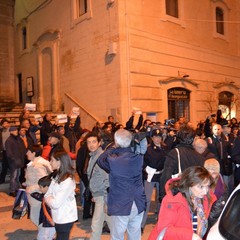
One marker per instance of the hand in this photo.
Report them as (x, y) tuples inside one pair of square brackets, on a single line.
[(196, 237)]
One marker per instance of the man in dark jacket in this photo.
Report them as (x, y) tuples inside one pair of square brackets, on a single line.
[(16, 152), (187, 156), (126, 197), (4, 134), (220, 146), (154, 160)]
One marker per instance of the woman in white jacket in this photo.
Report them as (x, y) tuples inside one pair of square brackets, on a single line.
[(37, 168), (60, 196)]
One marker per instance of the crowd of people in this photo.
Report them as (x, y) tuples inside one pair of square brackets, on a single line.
[(193, 169)]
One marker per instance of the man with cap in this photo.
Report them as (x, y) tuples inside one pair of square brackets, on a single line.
[(55, 143), (153, 164), (16, 151)]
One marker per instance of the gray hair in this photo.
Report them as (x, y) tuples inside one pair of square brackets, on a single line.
[(200, 145), (123, 138)]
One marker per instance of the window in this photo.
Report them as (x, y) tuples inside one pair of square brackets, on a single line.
[(178, 103), (81, 10), (81, 7), (219, 21), (172, 8), (24, 38)]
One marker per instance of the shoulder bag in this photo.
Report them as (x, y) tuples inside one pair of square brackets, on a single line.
[(179, 165), (87, 193)]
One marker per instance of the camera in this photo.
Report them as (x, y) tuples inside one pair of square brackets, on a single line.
[(169, 121)]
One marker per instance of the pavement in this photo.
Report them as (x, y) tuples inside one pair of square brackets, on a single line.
[(24, 229)]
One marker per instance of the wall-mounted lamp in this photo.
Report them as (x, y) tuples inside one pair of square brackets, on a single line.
[(182, 74), (112, 48)]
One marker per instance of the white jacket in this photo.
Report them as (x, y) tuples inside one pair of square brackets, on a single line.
[(36, 169), (60, 197)]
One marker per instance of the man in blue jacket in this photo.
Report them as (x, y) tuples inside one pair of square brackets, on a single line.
[(126, 197)]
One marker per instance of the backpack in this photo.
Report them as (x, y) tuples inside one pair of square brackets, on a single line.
[(21, 206)]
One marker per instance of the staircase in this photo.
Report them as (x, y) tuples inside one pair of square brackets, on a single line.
[(10, 110)]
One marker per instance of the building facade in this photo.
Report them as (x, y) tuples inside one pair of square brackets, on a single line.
[(170, 58), (7, 78)]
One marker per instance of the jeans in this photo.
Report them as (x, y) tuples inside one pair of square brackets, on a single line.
[(148, 187), (63, 230), (14, 178), (130, 223), (99, 217)]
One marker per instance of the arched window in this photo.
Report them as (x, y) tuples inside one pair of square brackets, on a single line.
[(219, 20), (225, 103)]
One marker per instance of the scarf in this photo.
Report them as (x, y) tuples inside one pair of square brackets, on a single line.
[(201, 218)]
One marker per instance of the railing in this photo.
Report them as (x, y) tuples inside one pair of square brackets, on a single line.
[(88, 119)]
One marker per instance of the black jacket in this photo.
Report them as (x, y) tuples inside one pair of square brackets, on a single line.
[(154, 158), (16, 151), (221, 148), (188, 158)]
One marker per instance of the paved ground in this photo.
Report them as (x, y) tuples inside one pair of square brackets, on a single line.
[(23, 229)]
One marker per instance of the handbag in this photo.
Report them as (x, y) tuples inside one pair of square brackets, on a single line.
[(87, 192), (161, 234), (179, 166), (21, 205)]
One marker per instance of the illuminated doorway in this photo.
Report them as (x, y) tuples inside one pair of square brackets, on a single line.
[(226, 104), (178, 103)]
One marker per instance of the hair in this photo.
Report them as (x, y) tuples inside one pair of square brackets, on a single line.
[(189, 178), (200, 145), (145, 121), (93, 134), (66, 170), (186, 134), (45, 181), (4, 120), (110, 117), (123, 138)]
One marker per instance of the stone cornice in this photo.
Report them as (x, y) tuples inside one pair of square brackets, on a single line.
[(179, 79)]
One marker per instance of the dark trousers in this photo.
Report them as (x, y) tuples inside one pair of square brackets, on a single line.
[(4, 167), (87, 205), (63, 230)]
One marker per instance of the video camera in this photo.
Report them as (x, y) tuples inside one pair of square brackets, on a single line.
[(169, 122)]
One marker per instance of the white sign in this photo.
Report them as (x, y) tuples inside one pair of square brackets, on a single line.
[(137, 110), (75, 112), (62, 118), (30, 107)]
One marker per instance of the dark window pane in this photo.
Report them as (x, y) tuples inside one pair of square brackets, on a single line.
[(172, 8), (178, 103), (24, 38), (219, 20), (82, 7)]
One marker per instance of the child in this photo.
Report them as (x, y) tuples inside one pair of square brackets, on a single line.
[(46, 229)]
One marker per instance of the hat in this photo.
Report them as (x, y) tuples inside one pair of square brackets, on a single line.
[(156, 133), (212, 164), (56, 135), (13, 128)]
